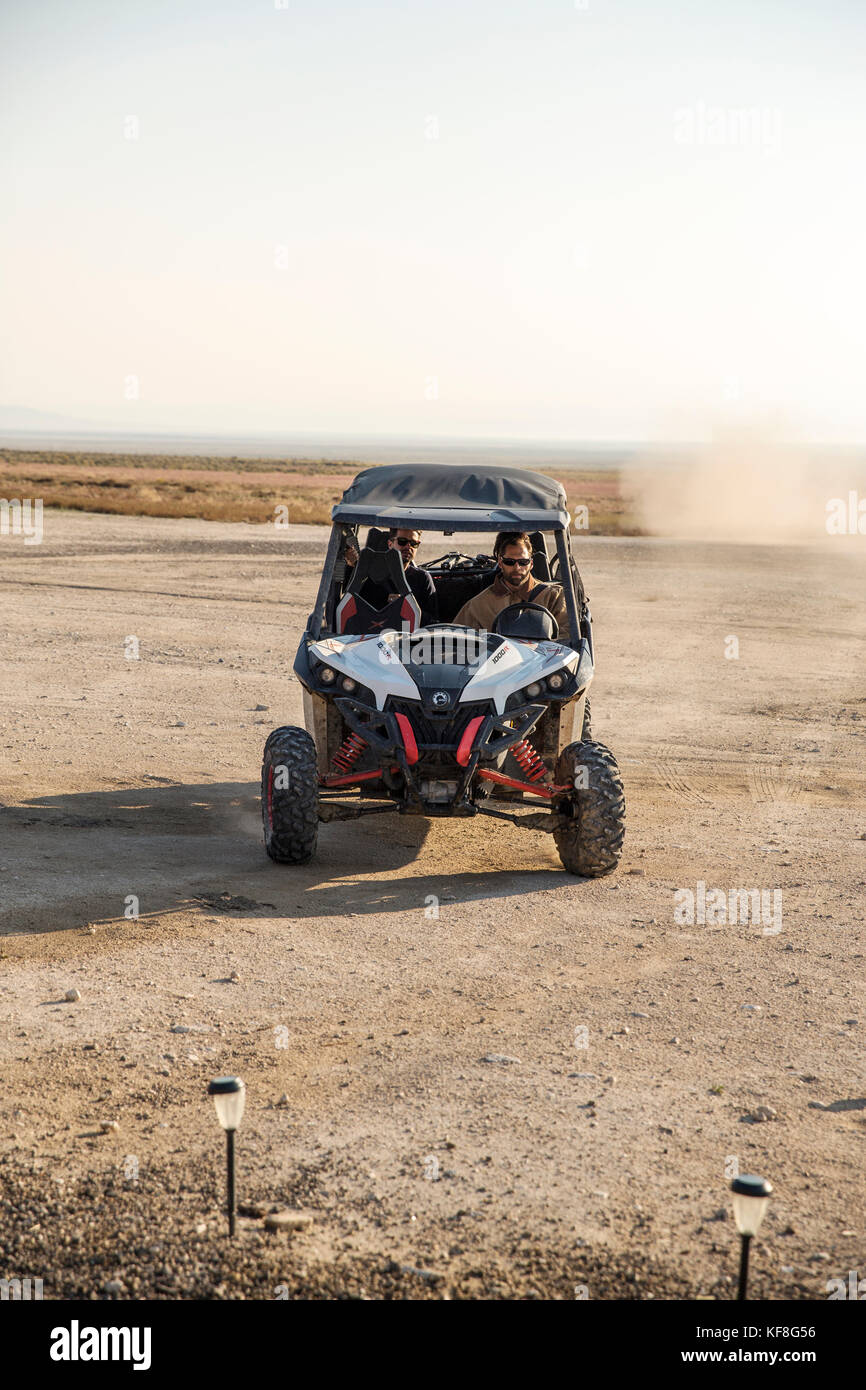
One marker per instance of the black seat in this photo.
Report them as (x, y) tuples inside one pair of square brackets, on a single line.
[(355, 615), (540, 561), (540, 566), (376, 539)]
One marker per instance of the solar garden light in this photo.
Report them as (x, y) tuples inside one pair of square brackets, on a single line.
[(751, 1199), (229, 1094)]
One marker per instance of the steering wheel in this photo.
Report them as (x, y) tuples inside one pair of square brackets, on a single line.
[(524, 607)]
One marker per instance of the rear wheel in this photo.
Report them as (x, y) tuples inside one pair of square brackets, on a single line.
[(590, 840), (290, 796)]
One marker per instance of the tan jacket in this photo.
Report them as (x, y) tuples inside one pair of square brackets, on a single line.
[(480, 611)]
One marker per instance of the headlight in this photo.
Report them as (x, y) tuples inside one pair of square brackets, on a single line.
[(533, 690), (327, 676), (348, 684), (557, 680)]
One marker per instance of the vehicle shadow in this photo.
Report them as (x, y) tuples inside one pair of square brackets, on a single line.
[(87, 857)]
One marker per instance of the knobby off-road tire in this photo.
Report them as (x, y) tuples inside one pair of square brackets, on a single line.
[(290, 796), (590, 844), (586, 731)]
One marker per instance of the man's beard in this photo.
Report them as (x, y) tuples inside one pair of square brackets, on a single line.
[(518, 582)]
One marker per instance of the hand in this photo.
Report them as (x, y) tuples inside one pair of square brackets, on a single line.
[(351, 555)]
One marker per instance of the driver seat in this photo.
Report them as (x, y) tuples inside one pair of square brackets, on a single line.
[(356, 616)]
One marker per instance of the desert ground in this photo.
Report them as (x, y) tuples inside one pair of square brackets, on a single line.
[(405, 1009)]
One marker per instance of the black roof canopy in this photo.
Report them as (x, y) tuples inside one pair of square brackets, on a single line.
[(444, 496)]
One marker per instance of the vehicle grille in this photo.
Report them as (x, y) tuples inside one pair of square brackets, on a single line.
[(438, 735)]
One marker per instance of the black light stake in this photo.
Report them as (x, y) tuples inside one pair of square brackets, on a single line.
[(229, 1095), (751, 1199)]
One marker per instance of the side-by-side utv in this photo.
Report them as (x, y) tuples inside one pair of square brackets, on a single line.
[(441, 719)]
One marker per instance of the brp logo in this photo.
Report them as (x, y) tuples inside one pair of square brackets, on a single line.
[(439, 698)]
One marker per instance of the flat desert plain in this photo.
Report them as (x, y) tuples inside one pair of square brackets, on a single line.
[(473, 1074)]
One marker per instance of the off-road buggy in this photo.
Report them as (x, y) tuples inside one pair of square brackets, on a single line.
[(443, 720)]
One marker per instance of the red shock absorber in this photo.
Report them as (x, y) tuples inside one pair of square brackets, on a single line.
[(530, 762), (349, 752)]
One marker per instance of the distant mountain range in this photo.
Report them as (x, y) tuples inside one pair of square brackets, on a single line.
[(21, 417)]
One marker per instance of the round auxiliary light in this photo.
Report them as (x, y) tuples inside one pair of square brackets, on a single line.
[(327, 676), (556, 681), (533, 690), (348, 684)]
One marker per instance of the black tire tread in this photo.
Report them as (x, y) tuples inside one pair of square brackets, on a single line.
[(291, 839), (590, 844)]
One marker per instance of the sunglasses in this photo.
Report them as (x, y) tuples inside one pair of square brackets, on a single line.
[(404, 541), (503, 561)]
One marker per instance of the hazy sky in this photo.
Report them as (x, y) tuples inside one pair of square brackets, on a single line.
[(611, 220)]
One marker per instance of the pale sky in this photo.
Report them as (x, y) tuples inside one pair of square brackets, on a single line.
[(536, 219)]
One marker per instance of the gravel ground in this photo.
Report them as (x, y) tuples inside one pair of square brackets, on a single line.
[(360, 995)]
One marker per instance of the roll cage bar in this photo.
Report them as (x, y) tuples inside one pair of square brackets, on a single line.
[(458, 520)]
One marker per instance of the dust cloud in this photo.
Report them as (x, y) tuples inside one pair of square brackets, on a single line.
[(741, 487)]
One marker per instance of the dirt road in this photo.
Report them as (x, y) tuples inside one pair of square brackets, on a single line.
[(362, 997)]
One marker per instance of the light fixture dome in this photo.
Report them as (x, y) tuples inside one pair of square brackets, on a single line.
[(229, 1094)]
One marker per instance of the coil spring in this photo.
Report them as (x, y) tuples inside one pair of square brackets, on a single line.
[(349, 752), (530, 762)]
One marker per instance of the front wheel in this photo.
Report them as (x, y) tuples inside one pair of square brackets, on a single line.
[(290, 796), (590, 839)]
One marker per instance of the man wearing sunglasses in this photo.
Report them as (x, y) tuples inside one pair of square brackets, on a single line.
[(406, 542), (514, 584)]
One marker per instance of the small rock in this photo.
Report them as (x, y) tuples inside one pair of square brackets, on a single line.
[(761, 1114), (115, 1287), (201, 1228), (254, 1209), (259, 709), (636, 1014), (820, 1256), (721, 1214), (179, 1028), (751, 1009), (582, 1075), (600, 1192), (72, 996), (109, 1126), (501, 1058), (288, 1219), (675, 1042)]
